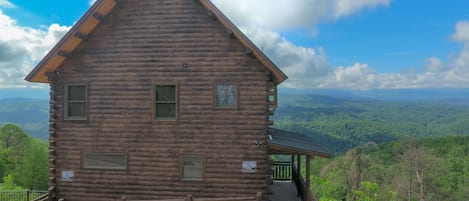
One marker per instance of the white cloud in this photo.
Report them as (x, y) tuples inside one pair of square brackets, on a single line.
[(91, 2), (298, 62), (462, 32), (437, 74), (22, 47), (282, 15), (434, 64), (344, 8), (6, 4), (309, 67)]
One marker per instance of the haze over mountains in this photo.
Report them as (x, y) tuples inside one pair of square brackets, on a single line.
[(444, 95)]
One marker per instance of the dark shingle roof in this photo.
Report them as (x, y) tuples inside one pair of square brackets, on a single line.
[(295, 143)]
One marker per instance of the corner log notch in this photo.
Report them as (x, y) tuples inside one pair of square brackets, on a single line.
[(52, 78)]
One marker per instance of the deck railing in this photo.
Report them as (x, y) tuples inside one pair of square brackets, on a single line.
[(305, 193), (20, 195), (299, 183), (282, 171), (286, 171)]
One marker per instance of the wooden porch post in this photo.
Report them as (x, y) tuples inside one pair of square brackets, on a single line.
[(298, 164), (292, 165), (307, 179)]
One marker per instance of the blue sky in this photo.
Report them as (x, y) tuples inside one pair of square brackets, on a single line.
[(395, 37), (45, 12), (337, 44)]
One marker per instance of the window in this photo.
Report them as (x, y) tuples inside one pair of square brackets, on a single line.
[(165, 102), (226, 95), (192, 168), (111, 161), (76, 102)]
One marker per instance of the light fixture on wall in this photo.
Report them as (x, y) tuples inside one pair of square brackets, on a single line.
[(260, 142)]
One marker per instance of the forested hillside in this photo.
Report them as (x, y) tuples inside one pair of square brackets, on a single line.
[(340, 124), (430, 169), (23, 160)]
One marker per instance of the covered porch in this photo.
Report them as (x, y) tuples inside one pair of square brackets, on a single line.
[(297, 151)]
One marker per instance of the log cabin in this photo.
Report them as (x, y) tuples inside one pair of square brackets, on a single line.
[(166, 99)]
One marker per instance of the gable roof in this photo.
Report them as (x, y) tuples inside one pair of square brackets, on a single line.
[(91, 19)]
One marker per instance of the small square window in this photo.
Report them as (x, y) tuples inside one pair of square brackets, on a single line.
[(165, 102), (110, 161), (226, 95), (76, 102), (192, 168)]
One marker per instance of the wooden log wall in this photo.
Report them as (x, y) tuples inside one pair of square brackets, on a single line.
[(143, 42)]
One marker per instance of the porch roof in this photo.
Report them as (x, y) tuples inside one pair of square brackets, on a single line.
[(286, 142)]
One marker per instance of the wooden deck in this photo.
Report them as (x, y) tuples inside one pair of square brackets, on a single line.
[(284, 191)]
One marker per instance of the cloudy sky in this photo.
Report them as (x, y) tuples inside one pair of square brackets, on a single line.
[(331, 44)]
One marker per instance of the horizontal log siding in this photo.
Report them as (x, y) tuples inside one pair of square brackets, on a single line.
[(147, 41)]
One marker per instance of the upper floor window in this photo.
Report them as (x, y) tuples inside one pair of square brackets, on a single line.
[(76, 102), (165, 102), (226, 95)]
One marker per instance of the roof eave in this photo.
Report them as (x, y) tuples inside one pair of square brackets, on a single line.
[(69, 41)]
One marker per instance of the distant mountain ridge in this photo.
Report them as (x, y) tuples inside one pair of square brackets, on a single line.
[(436, 96), (32, 115)]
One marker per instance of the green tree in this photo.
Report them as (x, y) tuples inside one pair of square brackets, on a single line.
[(13, 144), (367, 192), (22, 158), (9, 184), (32, 172), (13, 137)]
